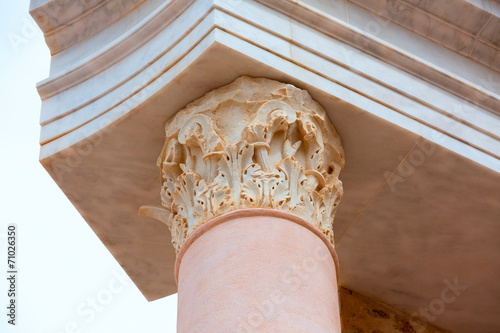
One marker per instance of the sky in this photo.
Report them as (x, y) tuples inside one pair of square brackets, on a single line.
[(67, 280)]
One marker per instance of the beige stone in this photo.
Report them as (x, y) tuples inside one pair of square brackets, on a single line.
[(253, 143)]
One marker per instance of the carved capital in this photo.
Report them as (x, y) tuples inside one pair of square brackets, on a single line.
[(255, 143)]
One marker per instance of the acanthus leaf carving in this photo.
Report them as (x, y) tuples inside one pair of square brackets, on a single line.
[(187, 206), (268, 145), (232, 165), (293, 175)]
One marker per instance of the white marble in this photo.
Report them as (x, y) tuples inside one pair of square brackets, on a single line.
[(373, 71), (392, 97), (334, 8), (421, 22), (333, 51), (431, 53), (104, 40), (486, 53), (454, 24), (121, 80), (402, 48), (468, 15), (491, 31), (51, 15), (409, 216), (79, 19), (483, 4), (100, 52)]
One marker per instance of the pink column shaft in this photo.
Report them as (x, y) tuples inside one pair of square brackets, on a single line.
[(257, 270)]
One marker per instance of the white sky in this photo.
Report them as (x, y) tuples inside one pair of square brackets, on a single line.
[(61, 262)]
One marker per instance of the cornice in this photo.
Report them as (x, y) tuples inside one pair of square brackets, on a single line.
[(381, 49), (112, 53), (66, 23), (454, 116)]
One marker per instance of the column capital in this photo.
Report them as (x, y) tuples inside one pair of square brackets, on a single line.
[(255, 143)]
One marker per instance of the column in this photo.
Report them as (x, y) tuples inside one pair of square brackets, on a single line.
[(250, 187)]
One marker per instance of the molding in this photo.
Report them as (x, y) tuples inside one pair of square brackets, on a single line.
[(148, 28), (445, 131), (255, 143), (483, 96), (63, 29), (112, 53), (460, 26), (76, 113)]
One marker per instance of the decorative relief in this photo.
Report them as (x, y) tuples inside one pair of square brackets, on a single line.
[(253, 143)]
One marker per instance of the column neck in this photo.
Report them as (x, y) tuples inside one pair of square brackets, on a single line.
[(249, 213)]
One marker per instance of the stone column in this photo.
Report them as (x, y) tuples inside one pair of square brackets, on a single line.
[(249, 191)]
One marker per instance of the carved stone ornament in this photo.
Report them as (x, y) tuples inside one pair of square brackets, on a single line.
[(255, 143)]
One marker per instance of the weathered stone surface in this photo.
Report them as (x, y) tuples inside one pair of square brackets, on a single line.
[(253, 143), (363, 314)]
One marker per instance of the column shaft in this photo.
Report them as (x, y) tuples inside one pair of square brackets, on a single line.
[(257, 270)]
